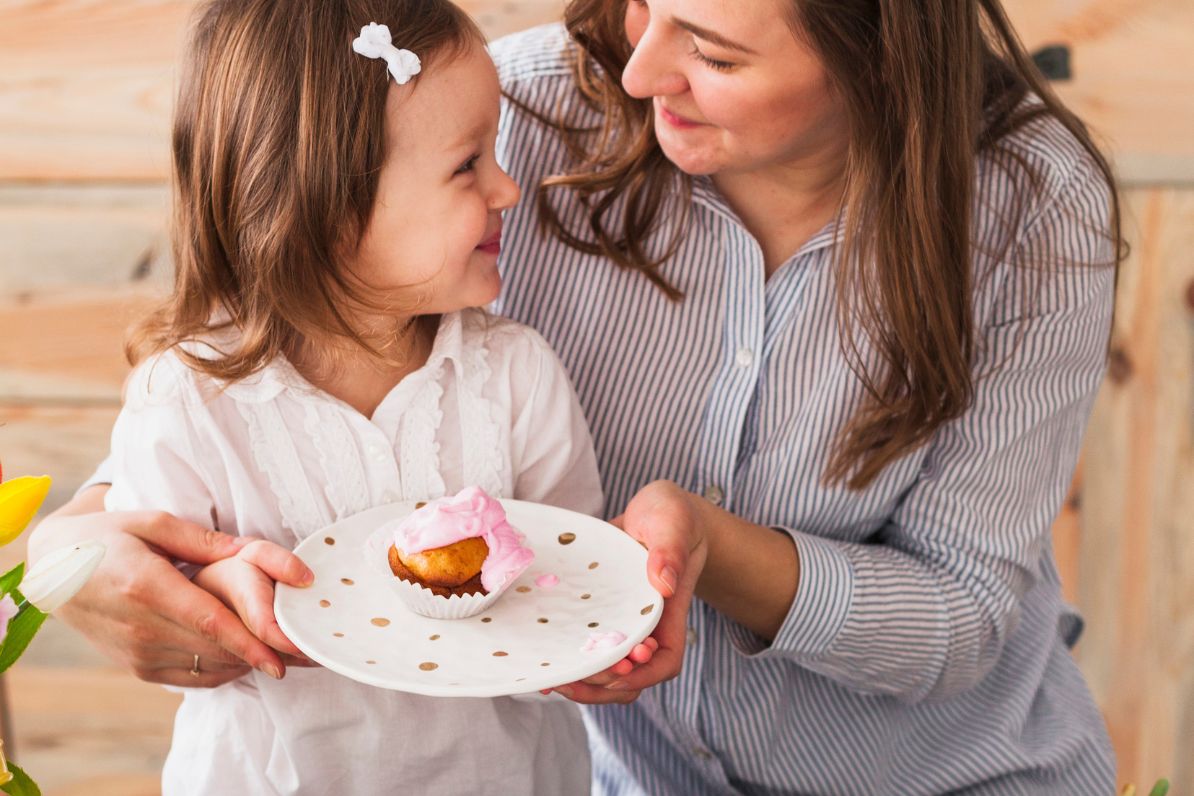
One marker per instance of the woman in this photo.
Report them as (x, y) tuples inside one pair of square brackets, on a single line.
[(834, 281)]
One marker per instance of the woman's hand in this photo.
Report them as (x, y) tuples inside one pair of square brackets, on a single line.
[(140, 610), (667, 521), (245, 583)]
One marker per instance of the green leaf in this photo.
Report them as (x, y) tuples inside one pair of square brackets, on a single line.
[(1160, 789), (11, 579), (21, 784), (21, 629)]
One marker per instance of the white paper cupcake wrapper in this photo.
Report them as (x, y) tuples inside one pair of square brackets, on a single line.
[(426, 603), (422, 600)]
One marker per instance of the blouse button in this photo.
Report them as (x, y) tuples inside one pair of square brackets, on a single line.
[(692, 636), (745, 357), (390, 496), (714, 495)]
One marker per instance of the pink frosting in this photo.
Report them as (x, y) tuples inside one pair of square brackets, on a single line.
[(602, 641), (471, 513), (547, 581)]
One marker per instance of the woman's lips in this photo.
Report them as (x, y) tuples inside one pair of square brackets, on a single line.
[(492, 244), (676, 121)]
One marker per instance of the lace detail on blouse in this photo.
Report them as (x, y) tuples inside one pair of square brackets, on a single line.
[(482, 460), (418, 448), (344, 480), (275, 454)]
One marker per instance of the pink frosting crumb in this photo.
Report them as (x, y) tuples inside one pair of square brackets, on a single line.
[(603, 641), (469, 514), (547, 581)]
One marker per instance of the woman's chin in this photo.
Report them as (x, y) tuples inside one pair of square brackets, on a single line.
[(695, 163)]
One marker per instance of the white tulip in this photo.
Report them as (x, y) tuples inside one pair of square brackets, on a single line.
[(59, 575)]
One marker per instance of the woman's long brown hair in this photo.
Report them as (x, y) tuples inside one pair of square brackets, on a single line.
[(927, 85), (278, 138)]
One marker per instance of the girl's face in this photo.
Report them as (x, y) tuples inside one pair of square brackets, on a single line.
[(436, 225), (734, 89)]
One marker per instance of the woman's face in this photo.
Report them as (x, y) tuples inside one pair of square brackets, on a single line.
[(734, 90)]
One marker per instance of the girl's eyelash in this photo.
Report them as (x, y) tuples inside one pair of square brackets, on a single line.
[(468, 165), (722, 66)]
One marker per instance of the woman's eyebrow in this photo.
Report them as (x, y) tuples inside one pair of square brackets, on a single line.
[(711, 36)]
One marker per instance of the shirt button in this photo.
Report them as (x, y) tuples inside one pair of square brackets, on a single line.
[(714, 495), (692, 636), (390, 496), (745, 357), (703, 754)]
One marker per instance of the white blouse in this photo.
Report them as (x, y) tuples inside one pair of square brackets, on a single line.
[(275, 457)]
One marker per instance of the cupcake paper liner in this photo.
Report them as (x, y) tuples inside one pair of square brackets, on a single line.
[(422, 600)]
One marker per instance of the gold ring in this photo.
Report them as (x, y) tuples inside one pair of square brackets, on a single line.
[(195, 667)]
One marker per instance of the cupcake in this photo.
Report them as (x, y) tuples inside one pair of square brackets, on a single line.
[(453, 557)]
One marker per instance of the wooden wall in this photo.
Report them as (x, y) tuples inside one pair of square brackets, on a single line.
[(85, 88)]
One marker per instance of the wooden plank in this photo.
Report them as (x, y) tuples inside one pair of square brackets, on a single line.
[(1137, 537), (1133, 74), (61, 237), (76, 733), (67, 348), (86, 87), (64, 442)]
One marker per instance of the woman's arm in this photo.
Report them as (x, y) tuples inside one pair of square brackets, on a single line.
[(138, 609)]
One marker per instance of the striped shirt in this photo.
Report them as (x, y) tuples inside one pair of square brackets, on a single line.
[(927, 647)]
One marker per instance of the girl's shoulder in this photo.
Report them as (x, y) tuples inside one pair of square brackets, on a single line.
[(164, 379), (505, 341)]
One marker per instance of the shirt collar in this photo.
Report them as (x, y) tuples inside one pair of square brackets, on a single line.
[(706, 195)]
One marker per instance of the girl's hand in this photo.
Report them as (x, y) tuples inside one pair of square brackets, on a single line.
[(141, 611), (245, 583), (667, 521)]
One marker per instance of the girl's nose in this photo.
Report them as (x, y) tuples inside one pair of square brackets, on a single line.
[(504, 193), (653, 69)]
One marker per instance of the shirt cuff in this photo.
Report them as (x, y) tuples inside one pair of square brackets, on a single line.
[(819, 609)]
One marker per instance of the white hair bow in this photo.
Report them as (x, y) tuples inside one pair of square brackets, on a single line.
[(375, 41)]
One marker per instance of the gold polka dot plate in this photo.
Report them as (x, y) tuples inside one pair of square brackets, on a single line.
[(578, 609)]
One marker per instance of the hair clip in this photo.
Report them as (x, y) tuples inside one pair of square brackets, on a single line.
[(375, 42)]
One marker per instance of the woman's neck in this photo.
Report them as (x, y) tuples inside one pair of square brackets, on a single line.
[(784, 206), (343, 369)]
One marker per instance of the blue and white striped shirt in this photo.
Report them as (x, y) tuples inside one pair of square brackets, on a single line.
[(926, 648)]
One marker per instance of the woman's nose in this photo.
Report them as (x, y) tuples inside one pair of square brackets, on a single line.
[(504, 193), (653, 69)]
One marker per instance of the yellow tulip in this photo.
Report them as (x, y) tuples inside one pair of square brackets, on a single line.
[(19, 500), (6, 776)]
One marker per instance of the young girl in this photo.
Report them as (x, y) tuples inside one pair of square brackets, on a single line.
[(338, 220)]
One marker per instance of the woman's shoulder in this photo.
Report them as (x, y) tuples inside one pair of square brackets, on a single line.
[(1041, 161), (545, 51)]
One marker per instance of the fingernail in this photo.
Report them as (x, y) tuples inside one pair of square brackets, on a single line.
[(617, 685), (272, 670), (545, 691), (307, 579), (668, 576)]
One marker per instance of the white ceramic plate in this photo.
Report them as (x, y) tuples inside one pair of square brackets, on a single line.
[(351, 621)]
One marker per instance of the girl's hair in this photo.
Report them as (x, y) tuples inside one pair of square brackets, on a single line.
[(278, 139), (927, 85)]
